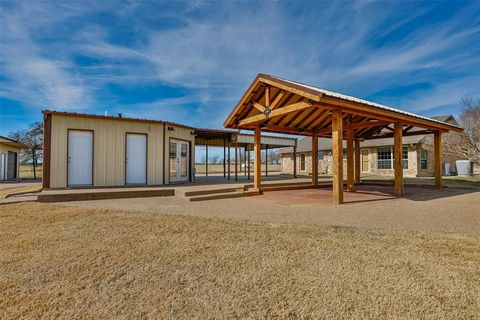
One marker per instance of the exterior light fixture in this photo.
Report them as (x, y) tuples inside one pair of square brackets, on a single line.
[(170, 128), (267, 111)]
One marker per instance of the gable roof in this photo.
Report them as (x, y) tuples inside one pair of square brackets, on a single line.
[(12, 143), (285, 106)]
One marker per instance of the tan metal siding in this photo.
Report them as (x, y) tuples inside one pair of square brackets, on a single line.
[(109, 149)]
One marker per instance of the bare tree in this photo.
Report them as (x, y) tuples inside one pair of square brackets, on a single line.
[(467, 143), (33, 139), (274, 157)]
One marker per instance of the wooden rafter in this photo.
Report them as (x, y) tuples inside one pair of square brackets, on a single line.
[(276, 113)]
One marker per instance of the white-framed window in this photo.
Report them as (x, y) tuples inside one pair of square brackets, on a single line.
[(385, 158), (405, 157), (424, 159), (321, 155)]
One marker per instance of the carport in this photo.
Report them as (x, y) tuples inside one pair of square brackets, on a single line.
[(229, 139), (272, 104)]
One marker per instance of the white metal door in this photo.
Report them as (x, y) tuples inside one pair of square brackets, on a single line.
[(179, 160), (80, 158), (3, 166), (136, 159)]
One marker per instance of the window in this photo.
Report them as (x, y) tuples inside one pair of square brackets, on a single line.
[(405, 157), (384, 158), (365, 164), (292, 156), (424, 159), (302, 162), (321, 155), (344, 154)]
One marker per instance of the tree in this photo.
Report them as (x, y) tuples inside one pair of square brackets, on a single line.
[(467, 143), (274, 156), (33, 139)]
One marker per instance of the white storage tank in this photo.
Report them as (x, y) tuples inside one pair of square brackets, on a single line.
[(464, 168)]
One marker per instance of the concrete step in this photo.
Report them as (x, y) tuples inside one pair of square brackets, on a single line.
[(63, 196), (273, 185), (194, 193), (12, 200), (225, 195)]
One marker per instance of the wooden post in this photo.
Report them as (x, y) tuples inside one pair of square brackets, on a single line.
[(350, 165), (337, 150), (437, 145), (245, 160), (248, 161), (266, 160), (206, 159), (315, 158), (224, 164), (295, 160), (357, 161), (236, 159), (228, 161), (397, 158), (257, 159)]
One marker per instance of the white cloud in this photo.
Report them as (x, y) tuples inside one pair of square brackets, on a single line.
[(214, 51)]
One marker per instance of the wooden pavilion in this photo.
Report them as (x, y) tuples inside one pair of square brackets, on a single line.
[(277, 105)]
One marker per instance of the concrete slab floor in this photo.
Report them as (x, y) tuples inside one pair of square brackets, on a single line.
[(425, 209)]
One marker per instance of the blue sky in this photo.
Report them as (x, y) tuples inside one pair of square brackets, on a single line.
[(189, 62)]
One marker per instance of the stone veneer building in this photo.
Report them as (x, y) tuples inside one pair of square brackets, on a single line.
[(376, 156)]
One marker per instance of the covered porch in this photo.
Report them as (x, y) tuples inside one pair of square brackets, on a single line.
[(272, 104), (237, 149)]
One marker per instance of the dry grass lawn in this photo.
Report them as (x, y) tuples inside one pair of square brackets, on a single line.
[(59, 262), (26, 171)]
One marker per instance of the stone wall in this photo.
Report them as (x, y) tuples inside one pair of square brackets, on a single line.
[(325, 165)]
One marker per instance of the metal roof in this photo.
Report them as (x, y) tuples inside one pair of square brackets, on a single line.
[(362, 101)]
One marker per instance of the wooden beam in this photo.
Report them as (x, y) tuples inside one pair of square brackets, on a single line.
[(412, 133), (366, 124), (437, 146), (337, 150), (315, 158), (397, 158), (350, 165), (357, 160), (257, 149), (275, 113), (290, 88), (377, 113), (356, 126), (259, 107), (267, 96), (277, 100)]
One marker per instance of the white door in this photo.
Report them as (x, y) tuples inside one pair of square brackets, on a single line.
[(80, 158), (179, 160), (136, 159), (3, 166)]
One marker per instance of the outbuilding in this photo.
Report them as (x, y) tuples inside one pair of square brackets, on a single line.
[(9, 158), (91, 151)]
